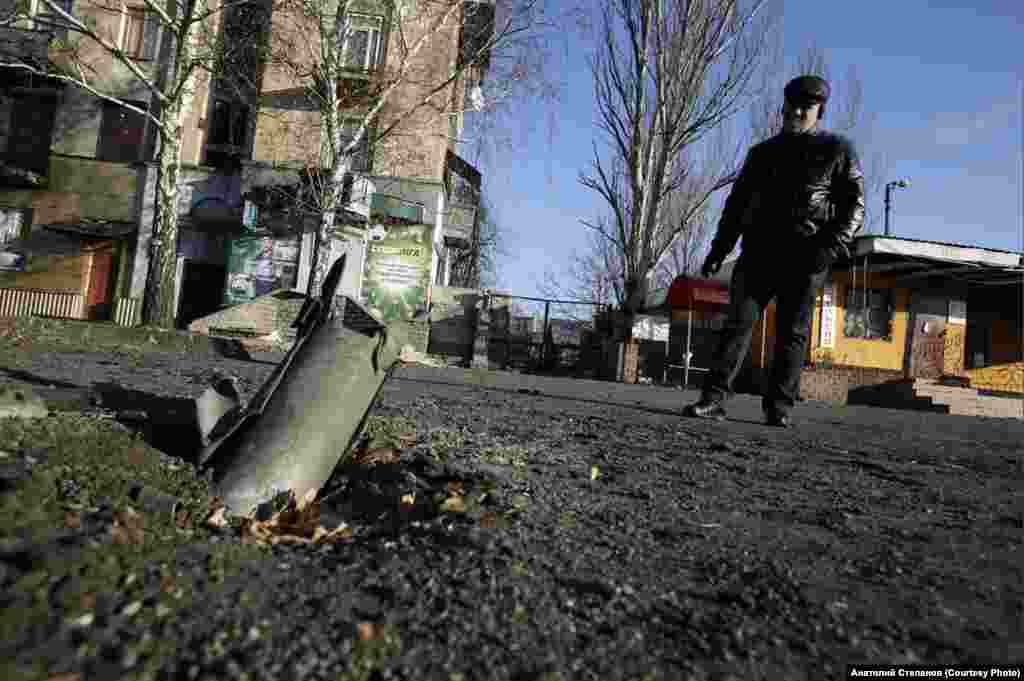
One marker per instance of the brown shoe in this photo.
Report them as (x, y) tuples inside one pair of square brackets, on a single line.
[(705, 410)]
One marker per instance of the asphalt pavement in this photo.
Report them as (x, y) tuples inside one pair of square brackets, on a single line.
[(813, 419)]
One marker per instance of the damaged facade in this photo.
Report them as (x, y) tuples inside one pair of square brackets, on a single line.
[(77, 204)]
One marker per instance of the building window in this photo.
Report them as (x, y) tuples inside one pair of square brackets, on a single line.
[(868, 314), (138, 32), (395, 210), (227, 131), (361, 45), (14, 223), (121, 132)]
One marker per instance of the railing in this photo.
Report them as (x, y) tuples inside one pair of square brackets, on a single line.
[(16, 302), (128, 312)]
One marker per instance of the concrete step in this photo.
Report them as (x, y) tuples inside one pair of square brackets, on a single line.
[(1001, 413), (950, 383), (979, 401), (939, 390)]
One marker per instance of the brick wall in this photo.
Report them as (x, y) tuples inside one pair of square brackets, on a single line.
[(833, 384), (953, 352), (825, 384), (1007, 378)]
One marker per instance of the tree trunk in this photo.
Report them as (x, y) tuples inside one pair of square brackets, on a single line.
[(332, 194), (159, 307)]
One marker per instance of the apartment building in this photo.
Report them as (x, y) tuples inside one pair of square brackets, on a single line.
[(77, 177)]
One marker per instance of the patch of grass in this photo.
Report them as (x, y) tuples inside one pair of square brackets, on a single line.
[(568, 520), (519, 568), (505, 455), (67, 467), (386, 431), (444, 441), (370, 655)]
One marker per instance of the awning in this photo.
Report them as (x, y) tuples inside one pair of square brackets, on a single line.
[(688, 293), (911, 262), (94, 230)]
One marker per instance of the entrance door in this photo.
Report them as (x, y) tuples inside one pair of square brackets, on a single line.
[(102, 279), (202, 286), (928, 336)]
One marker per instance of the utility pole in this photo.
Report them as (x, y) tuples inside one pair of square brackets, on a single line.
[(902, 184)]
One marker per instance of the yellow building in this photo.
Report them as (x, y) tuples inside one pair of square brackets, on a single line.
[(911, 309)]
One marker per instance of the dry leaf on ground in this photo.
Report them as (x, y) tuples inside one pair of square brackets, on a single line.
[(489, 520), (73, 520), (454, 504), (182, 519), (128, 527), (407, 439), (456, 488), (296, 523), (375, 457), (65, 676), (218, 518), (136, 456), (308, 498), (368, 631), (408, 499)]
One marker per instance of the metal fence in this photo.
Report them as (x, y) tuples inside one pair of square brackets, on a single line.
[(15, 302), (128, 312), (544, 334)]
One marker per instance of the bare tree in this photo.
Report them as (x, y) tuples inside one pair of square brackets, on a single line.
[(592, 274), (502, 39), (180, 41), (477, 266), (667, 73)]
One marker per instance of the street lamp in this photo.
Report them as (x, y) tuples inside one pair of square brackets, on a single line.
[(902, 184)]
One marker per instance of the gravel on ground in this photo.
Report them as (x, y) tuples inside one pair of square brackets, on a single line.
[(513, 529)]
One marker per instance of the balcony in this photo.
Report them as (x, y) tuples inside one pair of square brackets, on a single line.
[(462, 189)]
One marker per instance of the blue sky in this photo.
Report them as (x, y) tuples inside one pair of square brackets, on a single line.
[(945, 81)]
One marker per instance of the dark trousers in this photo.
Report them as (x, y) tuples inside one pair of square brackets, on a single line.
[(753, 287)]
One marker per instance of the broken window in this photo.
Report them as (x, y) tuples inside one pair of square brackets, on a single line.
[(362, 43), (245, 33), (227, 131), (868, 314), (30, 118), (121, 132)]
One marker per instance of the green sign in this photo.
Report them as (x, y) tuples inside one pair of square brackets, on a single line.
[(396, 275)]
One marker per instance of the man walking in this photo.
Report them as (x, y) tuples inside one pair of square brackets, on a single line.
[(797, 203)]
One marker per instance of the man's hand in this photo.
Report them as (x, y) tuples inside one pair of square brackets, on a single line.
[(823, 259), (710, 267)]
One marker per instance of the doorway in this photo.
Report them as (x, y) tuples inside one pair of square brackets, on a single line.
[(202, 288), (102, 282)]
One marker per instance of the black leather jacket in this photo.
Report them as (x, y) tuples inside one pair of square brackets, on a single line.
[(797, 195)]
